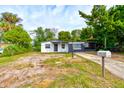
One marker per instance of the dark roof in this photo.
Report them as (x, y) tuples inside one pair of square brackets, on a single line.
[(59, 41), (56, 41)]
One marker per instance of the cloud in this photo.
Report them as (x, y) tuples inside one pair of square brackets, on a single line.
[(64, 17)]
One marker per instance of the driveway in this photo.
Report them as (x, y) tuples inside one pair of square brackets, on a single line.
[(114, 66)]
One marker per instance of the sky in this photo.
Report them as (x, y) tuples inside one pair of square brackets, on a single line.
[(64, 17)]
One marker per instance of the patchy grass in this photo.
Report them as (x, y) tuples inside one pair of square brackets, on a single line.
[(22, 66), (64, 71), (121, 53), (84, 73), (8, 59), (57, 61), (92, 52), (55, 53)]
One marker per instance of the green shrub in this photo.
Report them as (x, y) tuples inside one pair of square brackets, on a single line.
[(15, 49), (37, 48)]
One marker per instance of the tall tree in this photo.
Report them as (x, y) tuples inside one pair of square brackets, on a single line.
[(9, 20), (116, 12), (42, 35), (75, 35), (101, 23), (64, 35), (86, 34), (49, 35)]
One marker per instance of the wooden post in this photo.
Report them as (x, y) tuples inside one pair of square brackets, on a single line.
[(103, 66)]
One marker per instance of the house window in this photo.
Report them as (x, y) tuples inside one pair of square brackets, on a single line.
[(63, 46), (86, 44), (77, 46), (47, 46)]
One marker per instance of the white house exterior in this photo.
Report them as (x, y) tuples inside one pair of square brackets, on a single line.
[(54, 46), (61, 46)]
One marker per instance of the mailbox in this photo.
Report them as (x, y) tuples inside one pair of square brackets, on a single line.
[(104, 53)]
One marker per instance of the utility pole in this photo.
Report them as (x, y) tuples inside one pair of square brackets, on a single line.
[(105, 43), (105, 38)]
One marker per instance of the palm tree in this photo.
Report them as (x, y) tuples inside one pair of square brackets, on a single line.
[(10, 18), (8, 21)]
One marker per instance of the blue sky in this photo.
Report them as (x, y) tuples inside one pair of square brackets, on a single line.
[(49, 16)]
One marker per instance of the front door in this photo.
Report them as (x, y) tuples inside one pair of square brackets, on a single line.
[(55, 47)]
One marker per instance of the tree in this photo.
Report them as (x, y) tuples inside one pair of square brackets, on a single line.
[(49, 35), (10, 18), (116, 12), (42, 35), (75, 35), (102, 24), (8, 21), (64, 35), (4, 26), (17, 36), (86, 34), (1, 37)]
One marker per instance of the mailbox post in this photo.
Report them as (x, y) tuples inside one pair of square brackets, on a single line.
[(103, 67), (103, 54)]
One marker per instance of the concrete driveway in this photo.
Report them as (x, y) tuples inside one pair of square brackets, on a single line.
[(114, 66)]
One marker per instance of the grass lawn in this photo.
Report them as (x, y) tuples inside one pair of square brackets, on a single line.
[(9, 59), (80, 73)]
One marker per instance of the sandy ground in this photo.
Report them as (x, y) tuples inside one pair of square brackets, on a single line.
[(27, 70)]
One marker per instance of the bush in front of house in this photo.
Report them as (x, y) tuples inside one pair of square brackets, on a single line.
[(37, 48), (15, 49), (19, 39)]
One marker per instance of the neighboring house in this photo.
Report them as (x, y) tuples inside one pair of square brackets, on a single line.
[(61, 46)]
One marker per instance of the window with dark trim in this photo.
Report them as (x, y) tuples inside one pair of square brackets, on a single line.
[(63, 46), (76, 46), (47, 46)]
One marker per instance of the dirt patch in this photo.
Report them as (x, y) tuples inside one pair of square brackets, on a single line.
[(25, 70), (45, 83)]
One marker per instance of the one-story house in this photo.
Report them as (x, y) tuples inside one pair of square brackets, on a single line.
[(62, 46)]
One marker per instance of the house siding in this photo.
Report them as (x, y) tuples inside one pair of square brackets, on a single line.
[(91, 46), (43, 49), (68, 47), (60, 49), (72, 50), (51, 49)]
